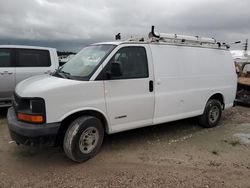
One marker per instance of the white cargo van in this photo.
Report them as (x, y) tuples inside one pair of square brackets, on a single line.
[(116, 86), (18, 62)]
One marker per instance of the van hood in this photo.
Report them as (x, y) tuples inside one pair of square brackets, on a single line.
[(36, 86)]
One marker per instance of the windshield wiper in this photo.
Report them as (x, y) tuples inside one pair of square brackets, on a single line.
[(63, 74)]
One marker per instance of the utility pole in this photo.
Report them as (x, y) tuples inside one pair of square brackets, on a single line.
[(245, 48)]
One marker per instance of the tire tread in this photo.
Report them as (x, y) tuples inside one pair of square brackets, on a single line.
[(71, 133)]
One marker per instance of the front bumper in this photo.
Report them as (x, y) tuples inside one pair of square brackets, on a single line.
[(31, 134)]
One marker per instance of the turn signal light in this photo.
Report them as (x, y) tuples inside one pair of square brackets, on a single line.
[(30, 118)]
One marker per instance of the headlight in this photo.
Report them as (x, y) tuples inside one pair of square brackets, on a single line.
[(31, 110), (37, 106)]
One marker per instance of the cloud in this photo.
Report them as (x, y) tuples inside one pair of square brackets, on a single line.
[(70, 24)]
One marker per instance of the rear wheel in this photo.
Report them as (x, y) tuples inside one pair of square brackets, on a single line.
[(212, 114), (83, 138)]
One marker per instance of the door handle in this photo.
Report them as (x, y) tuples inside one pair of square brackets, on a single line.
[(151, 86)]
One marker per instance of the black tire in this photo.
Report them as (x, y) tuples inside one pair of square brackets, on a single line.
[(79, 136), (212, 114)]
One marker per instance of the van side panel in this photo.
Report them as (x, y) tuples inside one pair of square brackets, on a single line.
[(187, 76)]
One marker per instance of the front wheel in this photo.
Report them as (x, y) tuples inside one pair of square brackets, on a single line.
[(212, 114), (83, 138)]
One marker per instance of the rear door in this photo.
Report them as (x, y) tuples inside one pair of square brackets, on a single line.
[(30, 62), (130, 97), (7, 74)]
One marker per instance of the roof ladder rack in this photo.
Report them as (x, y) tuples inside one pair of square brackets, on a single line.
[(185, 39)]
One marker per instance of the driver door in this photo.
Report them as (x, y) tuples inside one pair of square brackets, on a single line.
[(130, 96)]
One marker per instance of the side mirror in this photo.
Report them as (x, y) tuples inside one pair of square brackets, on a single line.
[(116, 70), (61, 63)]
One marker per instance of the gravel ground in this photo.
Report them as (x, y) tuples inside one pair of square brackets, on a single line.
[(177, 154)]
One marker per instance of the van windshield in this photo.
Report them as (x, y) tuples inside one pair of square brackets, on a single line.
[(84, 63)]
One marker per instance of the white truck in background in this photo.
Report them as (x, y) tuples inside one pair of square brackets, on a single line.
[(117, 86), (18, 62)]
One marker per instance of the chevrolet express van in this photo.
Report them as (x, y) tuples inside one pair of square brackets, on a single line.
[(117, 86)]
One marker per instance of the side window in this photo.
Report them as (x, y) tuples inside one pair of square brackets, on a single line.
[(5, 58), (33, 58), (133, 62)]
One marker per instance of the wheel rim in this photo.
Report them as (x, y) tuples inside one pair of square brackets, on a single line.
[(214, 114), (88, 140)]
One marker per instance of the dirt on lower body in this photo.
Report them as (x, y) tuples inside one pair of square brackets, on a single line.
[(177, 154)]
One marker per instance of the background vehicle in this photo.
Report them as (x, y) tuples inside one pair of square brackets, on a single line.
[(117, 86), (20, 62), (64, 59), (243, 89)]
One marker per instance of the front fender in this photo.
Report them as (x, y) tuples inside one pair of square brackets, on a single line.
[(108, 128)]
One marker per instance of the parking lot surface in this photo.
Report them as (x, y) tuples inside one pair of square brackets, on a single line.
[(176, 154)]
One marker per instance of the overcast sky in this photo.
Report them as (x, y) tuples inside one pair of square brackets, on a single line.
[(72, 24)]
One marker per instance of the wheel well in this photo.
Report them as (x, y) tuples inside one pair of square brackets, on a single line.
[(218, 97), (66, 122)]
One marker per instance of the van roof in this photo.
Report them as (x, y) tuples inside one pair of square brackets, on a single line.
[(112, 43), (160, 42), (27, 47)]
